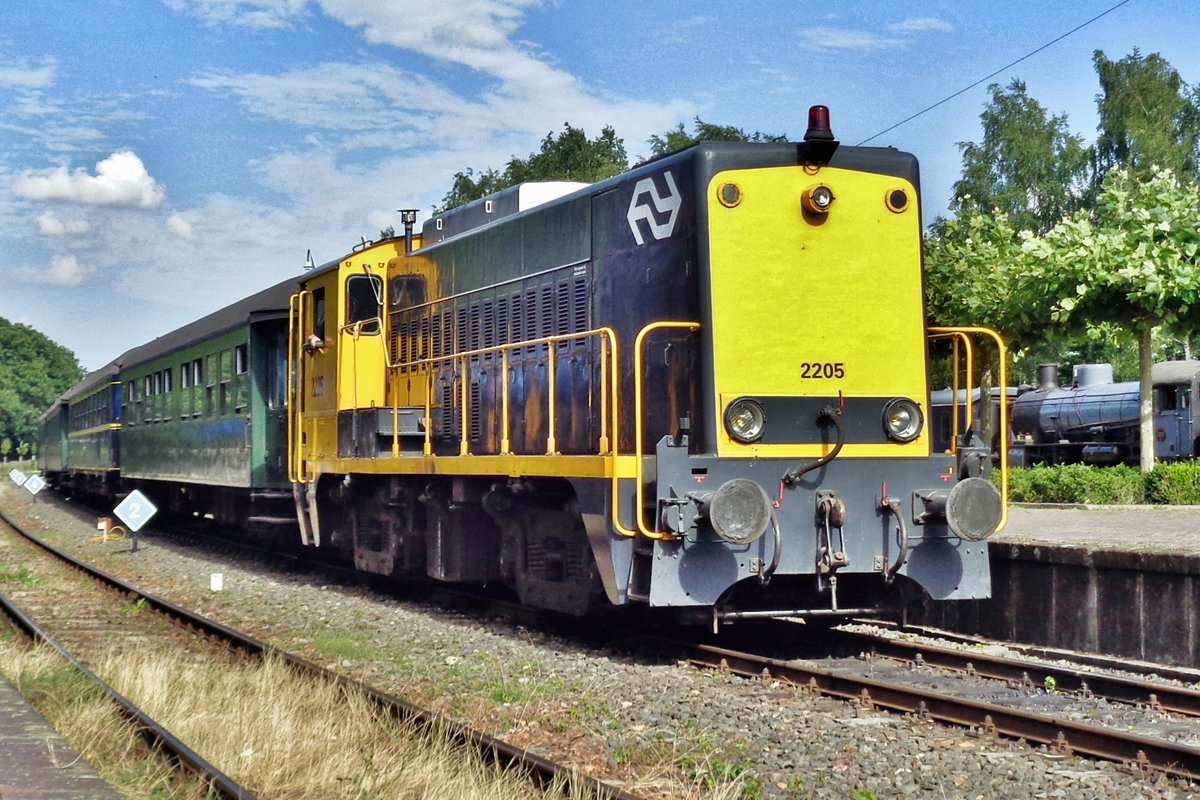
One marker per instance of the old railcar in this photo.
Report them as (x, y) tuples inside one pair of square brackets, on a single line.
[(79, 445), (204, 414)]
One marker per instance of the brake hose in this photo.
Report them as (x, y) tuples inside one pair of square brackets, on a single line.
[(828, 415)]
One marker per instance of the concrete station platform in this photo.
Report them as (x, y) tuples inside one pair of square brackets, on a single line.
[(36, 763), (1122, 580)]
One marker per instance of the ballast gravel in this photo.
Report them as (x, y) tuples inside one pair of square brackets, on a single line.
[(661, 729)]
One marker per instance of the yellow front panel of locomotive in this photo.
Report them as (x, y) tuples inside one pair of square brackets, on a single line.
[(810, 305)]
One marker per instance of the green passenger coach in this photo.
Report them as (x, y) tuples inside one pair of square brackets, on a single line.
[(203, 411)]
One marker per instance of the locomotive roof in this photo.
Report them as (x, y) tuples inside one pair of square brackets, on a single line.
[(1169, 372)]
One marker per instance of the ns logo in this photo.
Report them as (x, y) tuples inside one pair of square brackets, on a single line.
[(648, 206)]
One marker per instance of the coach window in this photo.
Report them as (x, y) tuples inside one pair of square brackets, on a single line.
[(225, 368), (185, 389), (363, 302), (210, 384), (240, 368)]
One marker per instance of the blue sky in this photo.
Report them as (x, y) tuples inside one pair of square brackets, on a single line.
[(162, 158)]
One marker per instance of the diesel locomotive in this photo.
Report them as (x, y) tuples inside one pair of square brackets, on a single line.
[(699, 385)]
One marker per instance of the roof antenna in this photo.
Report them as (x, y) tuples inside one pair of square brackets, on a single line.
[(308, 262)]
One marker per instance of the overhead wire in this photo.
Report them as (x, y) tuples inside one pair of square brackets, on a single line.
[(1030, 54)]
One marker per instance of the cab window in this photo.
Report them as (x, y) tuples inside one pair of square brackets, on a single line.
[(362, 302), (318, 312), (406, 291)]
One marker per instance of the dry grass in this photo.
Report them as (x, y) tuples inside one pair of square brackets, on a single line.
[(280, 735), (285, 736), (91, 723)]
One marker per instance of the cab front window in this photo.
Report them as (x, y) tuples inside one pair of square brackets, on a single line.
[(363, 293)]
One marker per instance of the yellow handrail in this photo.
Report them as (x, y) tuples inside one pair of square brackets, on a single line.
[(295, 384), (638, 511), (608, 338), (959, 338), (1002, 351)]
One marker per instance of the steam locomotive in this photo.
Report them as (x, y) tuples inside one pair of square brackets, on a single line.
[(1096, 421)]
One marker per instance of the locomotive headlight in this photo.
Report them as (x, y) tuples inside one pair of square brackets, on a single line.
[(902, 419), (817, 199), (745, 420)]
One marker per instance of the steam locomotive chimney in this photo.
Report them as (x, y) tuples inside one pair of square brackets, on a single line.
[(1047, 376)]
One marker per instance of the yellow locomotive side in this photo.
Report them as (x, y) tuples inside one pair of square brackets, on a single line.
[(816, 302), (338, 352)]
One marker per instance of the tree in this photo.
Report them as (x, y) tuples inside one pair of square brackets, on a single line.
[(1135, 264), (1148, 117), (567, 156), (466, 187), (1027, 166), (34, 371), (679, 139)]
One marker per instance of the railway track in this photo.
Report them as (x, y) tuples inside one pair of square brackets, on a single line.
[(158, 735), (543, 773), (1025, 675), (751, 697), (916, 689)]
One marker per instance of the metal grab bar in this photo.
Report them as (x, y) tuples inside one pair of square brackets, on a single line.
[(638, 400), (965, 332), (606, 440)]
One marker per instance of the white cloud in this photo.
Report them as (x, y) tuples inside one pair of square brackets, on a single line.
[(120, 180), (180, 227), (920, 25), (50, 225), (340, 97), (61, 271), (847, 39), (256, 14), (899, 34), (22, 78)]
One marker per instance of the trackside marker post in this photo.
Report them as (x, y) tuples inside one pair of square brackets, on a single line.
[(135, 511), (35, 484)]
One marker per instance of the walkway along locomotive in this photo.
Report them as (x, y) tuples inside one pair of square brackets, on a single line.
[(700, 385)]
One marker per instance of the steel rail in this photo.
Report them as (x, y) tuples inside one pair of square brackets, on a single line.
[(1095, 660), (1175, 699), (1085, 740), (151, 729), (542, 771)]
